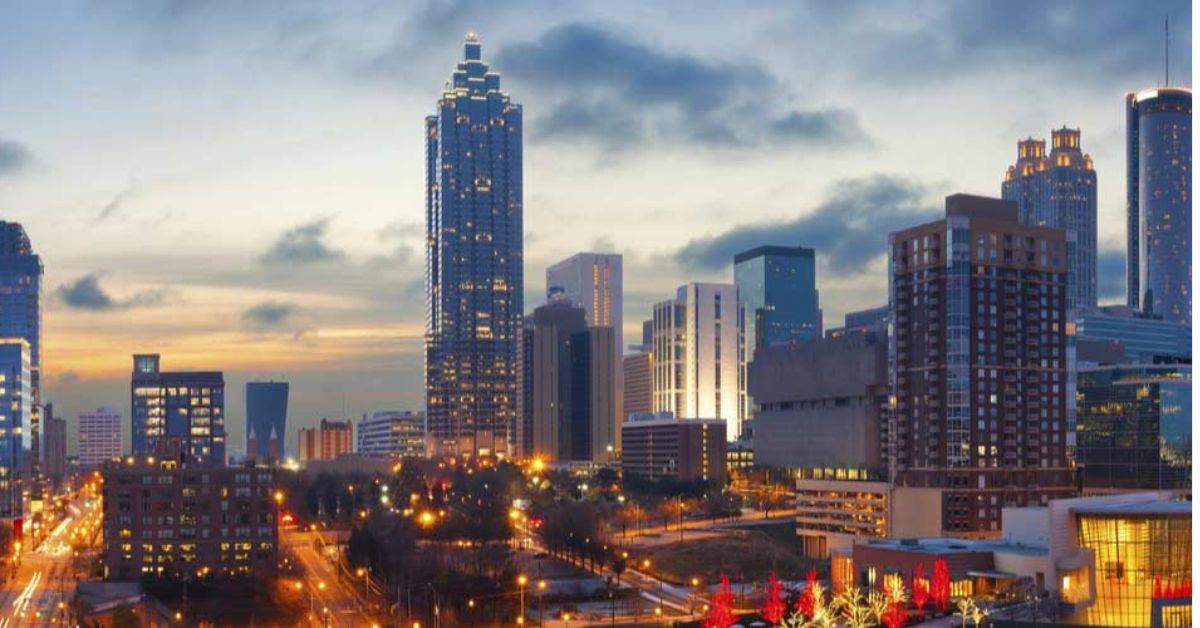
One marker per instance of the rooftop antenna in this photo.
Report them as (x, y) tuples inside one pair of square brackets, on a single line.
[(1167, 51)]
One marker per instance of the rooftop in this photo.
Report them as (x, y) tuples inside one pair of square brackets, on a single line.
[(943, 545), (1157, 507)]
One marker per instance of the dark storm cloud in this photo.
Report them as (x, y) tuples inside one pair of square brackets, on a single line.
[(848, 230), (619, 91), (304, 244), (269, 314), (1110, 275), (14, 157), (86, 293), (1090, 40)]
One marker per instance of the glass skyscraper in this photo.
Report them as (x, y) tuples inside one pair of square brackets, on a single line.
[(778, 285), (1158, 146), (15, 407), (186, 407), (21, 317), (474, 262), (266, 416), (1059, 191)]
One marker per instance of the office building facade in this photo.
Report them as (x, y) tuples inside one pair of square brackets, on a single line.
[(1144, 338), (266, 419), (327, 441), (1059, 191), (21, 317), (660, 446), (392, 433), (1158, 158), (979, 362), (638, 394), (1134, 427), (54, 445), (699, 355), (99, 437), (778, 287), (16, 405), (184, 406), (474, 263)]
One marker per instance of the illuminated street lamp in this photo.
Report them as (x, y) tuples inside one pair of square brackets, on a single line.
[(522, 581)]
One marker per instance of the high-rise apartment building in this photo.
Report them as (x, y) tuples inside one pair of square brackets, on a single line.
[(979, 365), (99, 436), (474, 263), (54, 442), (638, 394), (778, 285), (187, 406), (21, 317), (1158, 161), (1059, 191), (392, 433), (16, 404), (266, 415), (1134, 426), (326, 442), (593, 282), (699, 355)]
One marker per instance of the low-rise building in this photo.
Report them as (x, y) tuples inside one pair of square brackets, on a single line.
[(166, 519), (659, 445), (392, 433), (326, 442)]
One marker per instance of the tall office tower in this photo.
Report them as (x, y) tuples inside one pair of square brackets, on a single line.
[(593, 281), (1059, 191), (21, 317), (778, 285), (16, 398), (1135, 427), (1158, 161), (700, 356), (99, 436), (638, 393), (392, 433), (266, 413), (326, 442), (54, 445), (594, 432), (474, 263), (183, 406), (979, 362)]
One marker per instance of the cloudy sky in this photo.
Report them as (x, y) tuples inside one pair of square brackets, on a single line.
[(238, 185)]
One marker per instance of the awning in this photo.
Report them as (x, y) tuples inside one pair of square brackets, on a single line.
[(995, 575)]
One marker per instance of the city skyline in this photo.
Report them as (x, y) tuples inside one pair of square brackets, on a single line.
[(307, 285)]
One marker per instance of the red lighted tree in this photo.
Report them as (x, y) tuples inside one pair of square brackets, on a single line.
[(774, 607), (720, 612), (939, 585), (895, 617), (920, 587), (1158, 590), (806, 602)]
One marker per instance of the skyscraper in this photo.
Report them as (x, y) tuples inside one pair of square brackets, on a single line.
[(184, 406), (1158, 158), (474, 262), (99, 436), (1059, 191), (593, 281), (979, 362), (55, 444), (16, 401), (699, 366), (21, 317), (778, 284), (266, 414)]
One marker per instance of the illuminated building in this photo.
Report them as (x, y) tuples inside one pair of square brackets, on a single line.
[(593, 281), (16, 401), (392, 433), (979, 363), (327, 441), (1134, 427), (171, 520), (1143, 337), (778, 285), (1059, 191), (266, 414), (474, 263), (659, 445), (188, 406), (699, 355), (1158, 158), (638, 393), (99, 436), (21, 317)]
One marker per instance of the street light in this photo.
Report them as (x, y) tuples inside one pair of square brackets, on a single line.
[(521, 581), (541, 589)]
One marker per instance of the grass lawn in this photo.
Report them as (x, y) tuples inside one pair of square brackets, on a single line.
[(744, 555)]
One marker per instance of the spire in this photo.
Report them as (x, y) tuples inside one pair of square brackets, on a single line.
[(471, 48)]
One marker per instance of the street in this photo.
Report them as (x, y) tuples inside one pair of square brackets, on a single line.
[(331, 602)]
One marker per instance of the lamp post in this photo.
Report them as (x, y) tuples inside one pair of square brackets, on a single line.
[(646, 567), (522, 580), (541, 590)]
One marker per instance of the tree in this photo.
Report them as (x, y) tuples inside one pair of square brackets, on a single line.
[(774, 606), (854, 608), (939, 586), (895, 617), (618, 568), (720, 612), (920, 587), (807, 600), (970, 611)]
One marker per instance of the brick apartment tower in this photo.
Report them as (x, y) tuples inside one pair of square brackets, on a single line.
[(980, 365)]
